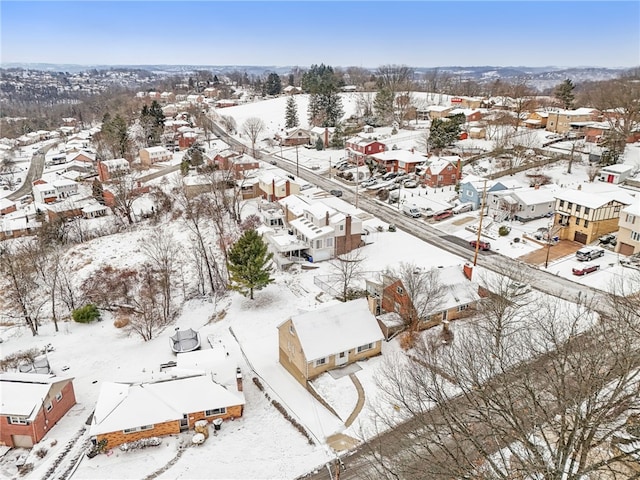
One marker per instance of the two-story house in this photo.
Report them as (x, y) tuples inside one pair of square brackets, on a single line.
[(473, 189), (44, 192), (522, 204), (584, 216), (442, 172), (109, 169), (564, 121), (359, 149), (151, 155), (314, 342), (273, 187), (629, 229), (404, 161), (65, 188), (293, 136)]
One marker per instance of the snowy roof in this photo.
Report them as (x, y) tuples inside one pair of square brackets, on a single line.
[(438, 166), (404, 156), (592, 199), (320, 130), (215, 361), (617, 168), (437, 108), (634, 208), (336, 329), (158, 149), (23, 393), (122, 406), (93, 207), (460, 291), (6, 203), (533, 196), (319, 210), (115, 163), (64, 182), (44, 188), (309, 230)]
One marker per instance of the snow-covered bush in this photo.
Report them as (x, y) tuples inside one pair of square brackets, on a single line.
[(142, 443)]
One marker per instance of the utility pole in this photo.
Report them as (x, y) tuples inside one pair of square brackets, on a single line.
[(297, 168), (484, 195)]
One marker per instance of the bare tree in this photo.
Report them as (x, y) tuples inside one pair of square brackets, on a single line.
[(146, 311), (252, 128), (228, 123), (125, 188), (348, 269), (545, 401), (163, 254)]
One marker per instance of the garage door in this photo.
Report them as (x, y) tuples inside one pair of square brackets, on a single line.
[(626, 249), (580, 237), (22, 441)]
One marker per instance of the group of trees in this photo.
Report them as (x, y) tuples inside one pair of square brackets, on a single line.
[(152, 124), (323, 86)]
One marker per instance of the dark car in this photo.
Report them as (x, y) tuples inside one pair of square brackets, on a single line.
[(483, 245), (336, 193), (585, 270)]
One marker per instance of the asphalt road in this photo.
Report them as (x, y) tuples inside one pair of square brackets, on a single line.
[(34, 172)]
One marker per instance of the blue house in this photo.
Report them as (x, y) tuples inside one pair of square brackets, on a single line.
[(471, 191)]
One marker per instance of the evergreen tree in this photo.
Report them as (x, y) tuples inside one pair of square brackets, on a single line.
[(290, 80), (325, 105), (383, 105), (216, 81), (273, 85), (337, 139), (443, 132), (249, 264), (319, 144), (98, 191), (115, 134), (291, 114), (564, 93), (152, 123)]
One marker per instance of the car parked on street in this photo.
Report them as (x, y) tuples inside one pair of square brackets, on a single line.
[(442, 215), (483, 245), (336, 193), (585, 270)]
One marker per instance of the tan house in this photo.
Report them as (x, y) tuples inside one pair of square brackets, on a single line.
[(128, 412), (274, 187), (314, 342), (537, 120), (151, 155), (629, 229), (564, 121), (584, 216)]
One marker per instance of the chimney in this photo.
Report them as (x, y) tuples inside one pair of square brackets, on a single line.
[(467, 269), (326, 137), (347, 234), (459, 168), (239, 379), (326, 218), (287, 189), (273, 190)]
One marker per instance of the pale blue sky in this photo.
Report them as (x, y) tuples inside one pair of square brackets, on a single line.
[(363, 33)]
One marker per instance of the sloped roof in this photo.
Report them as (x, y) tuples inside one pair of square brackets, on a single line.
[(23, 393), (334, 329), (593, 199)]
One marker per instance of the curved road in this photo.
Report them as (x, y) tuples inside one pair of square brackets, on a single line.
[(35, 171)]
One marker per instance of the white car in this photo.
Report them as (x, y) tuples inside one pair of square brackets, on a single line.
[(516, 289)]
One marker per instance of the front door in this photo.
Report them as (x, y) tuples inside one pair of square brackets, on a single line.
[(184, 422), (342, 358)]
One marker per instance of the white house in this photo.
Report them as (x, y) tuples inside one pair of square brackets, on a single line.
[(65, 187), (44, 193), (151, 155), (617, 173)]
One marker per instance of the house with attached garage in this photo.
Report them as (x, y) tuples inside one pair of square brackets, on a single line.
[(314, 342), (126, 412), (629, 229), (30, 405), (584, 216), (404, 161)]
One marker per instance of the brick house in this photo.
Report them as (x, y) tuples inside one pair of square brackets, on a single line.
[(585, 216), (31, 405), (107, 169), (7, 206), (151, 155), (360, 149), (293, 136), (564, 121), (404, 161), (386, 293), (274, 187), (128, 412), (314, 342), (629, 229), (236, 163), (470, 115), (442, 172)]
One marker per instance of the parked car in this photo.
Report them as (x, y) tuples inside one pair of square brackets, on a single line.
[(462, 208), (588, 253), (410, 184), (516, 289), (411, 211), (607, 238), (336, 193), (585, 270), (442, 215), (483, 245)]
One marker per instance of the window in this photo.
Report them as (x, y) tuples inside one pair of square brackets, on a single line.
[(586, 223), (138, 429), (399, 290), (561, 203), (320, 361), (58, 396), (329, 242), (215, 411), (616, 209), (569, 206), (18, 421), (318, 243), (586, 211), (364, 348), (577, 221), (49, 406), (341, 227), (635, 236), (461, 308), (291, 330)]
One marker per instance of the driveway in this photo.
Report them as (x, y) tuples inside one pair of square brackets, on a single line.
[(559, 250)]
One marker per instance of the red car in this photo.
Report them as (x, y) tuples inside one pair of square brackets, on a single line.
[(483, 245), (586, 269), (442, 215)]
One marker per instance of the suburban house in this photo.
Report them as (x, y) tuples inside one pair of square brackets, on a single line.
[(584, 216), (470, 114), (7, 206), (151, 155), (127, 412), (31, 404), (314, 342), (536, 120), (360, 149), (236, 164), (404, 161), (437, 111), (442, 172), (108, 169), (467, 102), (386, 293), (477, 132), (291, 90), (629, 229), (274, 187), (65, 187), (44, 192), (324, 133), (564, 121), (616, 173), (472, 190), (293, 136), (522, 204)]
